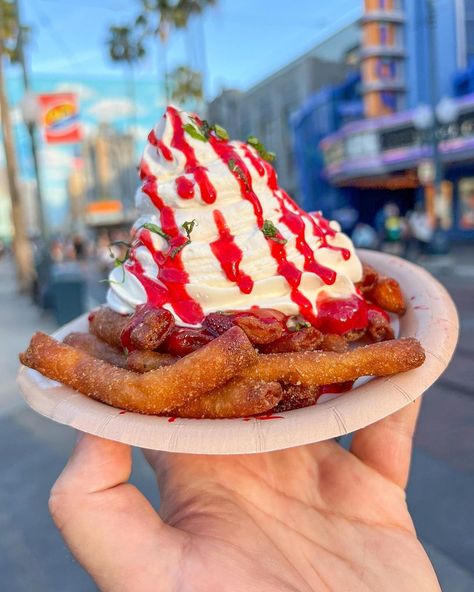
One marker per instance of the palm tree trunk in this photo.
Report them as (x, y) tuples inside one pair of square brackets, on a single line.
[(21, 245)]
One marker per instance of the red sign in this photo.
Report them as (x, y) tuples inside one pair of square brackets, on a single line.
[(60, 118)]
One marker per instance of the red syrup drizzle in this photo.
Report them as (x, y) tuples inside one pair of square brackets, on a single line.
[(338, 387), (185, 187), (136, 319), (208, 192), (154, 141), (172, 419), (341, 316), (229, 255), (257, 164), (321, 228), (285, 268), (227, 153), (171, 273), (144, 170), (268, 415), (295, 223)]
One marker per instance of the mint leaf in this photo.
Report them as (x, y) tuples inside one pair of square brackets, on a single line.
[(271, 231), (194, 133), (220, 132), (260, 148), (189, 227)]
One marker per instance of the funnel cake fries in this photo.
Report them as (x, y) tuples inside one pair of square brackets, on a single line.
[(230, 300), (155, 392)]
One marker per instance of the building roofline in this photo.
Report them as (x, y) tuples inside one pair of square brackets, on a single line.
[(310, 53)]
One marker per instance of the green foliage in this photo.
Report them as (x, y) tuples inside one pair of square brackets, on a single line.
[(125, 45), (171, 14), (10, 30), (185, 84)]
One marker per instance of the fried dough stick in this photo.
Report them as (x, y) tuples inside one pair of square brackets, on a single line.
[(388, 295), (145, 329), (146, 360), (155, 392), (96, 348), (237, 398), (297, 396), (319, 368), (106, 324), (137, 360)]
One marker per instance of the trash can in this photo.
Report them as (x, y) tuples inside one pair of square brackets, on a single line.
[(68, 292)]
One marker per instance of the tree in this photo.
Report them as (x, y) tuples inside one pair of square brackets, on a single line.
[(126, 46), (158, 17), (9, 35), (186, 84)]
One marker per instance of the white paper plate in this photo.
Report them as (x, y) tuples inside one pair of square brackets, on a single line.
[(431, 317)]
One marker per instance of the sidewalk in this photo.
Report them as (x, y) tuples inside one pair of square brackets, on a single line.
[(34, 450)]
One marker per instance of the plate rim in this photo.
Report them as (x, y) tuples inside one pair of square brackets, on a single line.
[(432, 314)]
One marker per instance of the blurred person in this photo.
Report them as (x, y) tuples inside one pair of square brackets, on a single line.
[(80, 248), (364, 236), (392, 229), (56, 251), (420, 231), (439, 243), (305, 519)]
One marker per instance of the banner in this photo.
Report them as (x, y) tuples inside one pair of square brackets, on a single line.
[(60, 118)]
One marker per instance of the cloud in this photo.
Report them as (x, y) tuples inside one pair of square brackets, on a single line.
[(108, 110), (83, 91)]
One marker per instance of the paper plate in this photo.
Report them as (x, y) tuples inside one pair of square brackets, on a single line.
[(431, 317)]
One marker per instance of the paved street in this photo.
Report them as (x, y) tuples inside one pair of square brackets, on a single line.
[(440, 493)]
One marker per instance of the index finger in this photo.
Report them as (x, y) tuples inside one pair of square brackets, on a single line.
[(386, 445)]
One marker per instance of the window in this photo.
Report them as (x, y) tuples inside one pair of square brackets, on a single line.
[(466, 203)]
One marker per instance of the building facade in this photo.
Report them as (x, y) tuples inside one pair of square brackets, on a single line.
[(265, 109), (414, 138)]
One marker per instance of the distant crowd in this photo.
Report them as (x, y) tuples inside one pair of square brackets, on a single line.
[(411, 236)]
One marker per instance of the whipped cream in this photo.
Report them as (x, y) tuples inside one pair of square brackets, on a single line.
[(228, 199)]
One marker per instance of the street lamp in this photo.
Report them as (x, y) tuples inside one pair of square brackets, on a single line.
[(430, 120), (31, 114)]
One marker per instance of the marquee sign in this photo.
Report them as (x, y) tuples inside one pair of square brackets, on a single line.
[(60, 118)]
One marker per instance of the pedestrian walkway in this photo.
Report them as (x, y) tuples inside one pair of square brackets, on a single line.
[(34, 450)]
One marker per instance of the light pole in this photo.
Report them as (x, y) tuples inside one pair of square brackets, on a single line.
[(30, 112), (431, 121)]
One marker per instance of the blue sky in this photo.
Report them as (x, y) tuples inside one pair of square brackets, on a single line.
[(244, 39)]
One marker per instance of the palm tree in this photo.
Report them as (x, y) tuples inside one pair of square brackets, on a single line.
[(126, 46), (186, 84), (158, 17), (9, 36)]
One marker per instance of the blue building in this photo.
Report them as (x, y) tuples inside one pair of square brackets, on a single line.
[(370, 140)]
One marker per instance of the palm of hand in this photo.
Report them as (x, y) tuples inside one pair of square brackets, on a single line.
[(314, 518), (307, 519)]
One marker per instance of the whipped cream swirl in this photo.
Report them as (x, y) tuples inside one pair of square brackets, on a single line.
[(217, 233)]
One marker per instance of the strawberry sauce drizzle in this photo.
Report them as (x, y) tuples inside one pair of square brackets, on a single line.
[(208, 191), (185, 187), (227, 153), (295, 223), (229, 255), (171, 273), (257, 163), (159, 144)]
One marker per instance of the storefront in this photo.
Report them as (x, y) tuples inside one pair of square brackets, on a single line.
[(391, 159)]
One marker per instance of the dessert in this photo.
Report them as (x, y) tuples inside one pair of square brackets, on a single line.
[(230, 300)]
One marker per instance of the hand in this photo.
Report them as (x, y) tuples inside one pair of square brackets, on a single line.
[(313, 518)]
